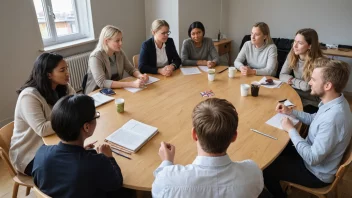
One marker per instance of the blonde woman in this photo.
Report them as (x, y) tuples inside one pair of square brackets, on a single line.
[(108, 62), (258, 56), (158, 54), (300, 60)]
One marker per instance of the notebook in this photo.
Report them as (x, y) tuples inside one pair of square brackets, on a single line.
[(100, 99), (132, 135)]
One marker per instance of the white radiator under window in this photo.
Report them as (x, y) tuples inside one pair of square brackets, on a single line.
[(78, 65)]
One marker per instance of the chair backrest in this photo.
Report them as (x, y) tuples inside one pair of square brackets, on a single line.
[(5, 136), (5, 141), (39, 193), (84, 83), (135, 60), (345, 162)]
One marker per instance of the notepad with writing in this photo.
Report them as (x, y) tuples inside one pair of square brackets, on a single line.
[(132, 135), (100, 99)]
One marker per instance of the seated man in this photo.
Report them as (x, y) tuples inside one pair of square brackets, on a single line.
[(212, 173), (313, 162), (69, 169)]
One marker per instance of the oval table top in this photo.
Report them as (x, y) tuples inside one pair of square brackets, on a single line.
[(168, 104)]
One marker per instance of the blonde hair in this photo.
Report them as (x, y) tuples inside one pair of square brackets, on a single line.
[(311, 37), (264, 28), (107, 32), (158, 24)]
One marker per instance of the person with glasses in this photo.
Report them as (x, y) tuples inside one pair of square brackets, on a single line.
[(71, 169), (108, 63), (158, 54), (47, 83), (198, 50)]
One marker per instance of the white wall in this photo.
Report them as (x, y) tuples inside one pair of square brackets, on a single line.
[(20, 40), (330, 18), (163, 9)]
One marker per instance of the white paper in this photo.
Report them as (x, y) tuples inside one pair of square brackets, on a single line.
[(203, 68), (190, 70), (275, 121), (100, 99), (150, 81), (277, 83), (288, 103), (132, 134)]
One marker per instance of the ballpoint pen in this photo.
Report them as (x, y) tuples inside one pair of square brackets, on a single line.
[(261, 133), (223, 70), (117, 153)]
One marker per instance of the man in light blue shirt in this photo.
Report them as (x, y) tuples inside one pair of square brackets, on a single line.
[(316, 159), (212, 173)]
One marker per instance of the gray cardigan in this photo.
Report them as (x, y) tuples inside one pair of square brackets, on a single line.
[(190, 53), (31, 123), (99, 69), (263, 59), (301, 86)]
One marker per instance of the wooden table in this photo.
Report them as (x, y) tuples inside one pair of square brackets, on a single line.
[(336, 52), (224, 47), (168, 104)]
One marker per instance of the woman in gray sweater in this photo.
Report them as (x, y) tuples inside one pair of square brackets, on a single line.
[(300, 60), (258, 56), (198, 50), (47, 83)]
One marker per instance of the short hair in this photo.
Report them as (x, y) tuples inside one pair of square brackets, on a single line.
[(215, 121), (334, 71), (70, 113), (107, 32), (158, 24), (264, 28), (196, 24)]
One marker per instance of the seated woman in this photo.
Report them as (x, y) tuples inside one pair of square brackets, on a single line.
[(69, 169), (300, 60), (108, 62), (158, 54), (260, 53), (47, 83), (198, 50)]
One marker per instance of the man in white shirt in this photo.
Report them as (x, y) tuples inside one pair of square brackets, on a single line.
[(212, 173), (313, 161)]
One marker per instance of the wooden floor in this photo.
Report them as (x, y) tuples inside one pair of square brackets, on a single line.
[(344, 188)]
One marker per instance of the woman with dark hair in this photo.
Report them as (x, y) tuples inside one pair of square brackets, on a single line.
[(197, 49), (47, 83), (56, 168)]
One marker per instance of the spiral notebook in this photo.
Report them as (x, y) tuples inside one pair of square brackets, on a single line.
[(132, 135)]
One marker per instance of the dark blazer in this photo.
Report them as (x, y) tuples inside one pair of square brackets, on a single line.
[(147, 56)]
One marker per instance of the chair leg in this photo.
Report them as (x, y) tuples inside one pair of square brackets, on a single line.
[(15, 190), (28, 190)]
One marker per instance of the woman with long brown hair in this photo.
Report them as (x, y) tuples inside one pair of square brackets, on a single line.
[(304, 51)]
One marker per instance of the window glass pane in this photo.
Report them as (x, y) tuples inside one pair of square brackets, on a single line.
[(42, 19), (65, 17)]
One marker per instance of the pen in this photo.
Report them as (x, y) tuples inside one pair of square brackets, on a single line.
[(283, 100), (261, 133), (223, 70), (117, 153)]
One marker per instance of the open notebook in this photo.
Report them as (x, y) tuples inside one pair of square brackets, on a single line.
[(132, 135), (100, 99)]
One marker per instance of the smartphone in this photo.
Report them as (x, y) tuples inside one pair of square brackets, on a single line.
[(107, 91)]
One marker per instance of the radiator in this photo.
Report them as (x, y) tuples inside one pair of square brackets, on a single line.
[(78, 65)]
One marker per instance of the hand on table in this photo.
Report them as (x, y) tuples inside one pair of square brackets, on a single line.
[(167, 152)]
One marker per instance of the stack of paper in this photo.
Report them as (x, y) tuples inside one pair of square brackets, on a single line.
[(204, 68), (132, 136), (275, 121), (150, 81), (190, 70), (100, 99), (277, 83)]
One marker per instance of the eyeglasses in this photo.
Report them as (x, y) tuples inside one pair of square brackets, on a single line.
[(166, 33), (97, 115)]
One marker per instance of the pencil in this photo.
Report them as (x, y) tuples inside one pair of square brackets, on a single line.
[(117, 153), (261, 133), (223, 70)]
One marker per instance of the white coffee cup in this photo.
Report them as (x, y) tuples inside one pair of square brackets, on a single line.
[(232, 72), (244, 89), (211, 77)]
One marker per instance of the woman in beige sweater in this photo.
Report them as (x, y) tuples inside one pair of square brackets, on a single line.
[(108, 62), (47, 83)]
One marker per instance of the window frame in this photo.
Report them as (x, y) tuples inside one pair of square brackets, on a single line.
[(83, 14)]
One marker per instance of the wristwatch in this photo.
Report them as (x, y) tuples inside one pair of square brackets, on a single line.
[(173, 64)]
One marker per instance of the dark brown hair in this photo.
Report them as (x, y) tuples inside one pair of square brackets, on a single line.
[(215, 121)]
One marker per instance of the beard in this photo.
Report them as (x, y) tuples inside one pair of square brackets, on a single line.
[(318, 92)]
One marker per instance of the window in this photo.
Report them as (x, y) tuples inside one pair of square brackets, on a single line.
[(63, 21)]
